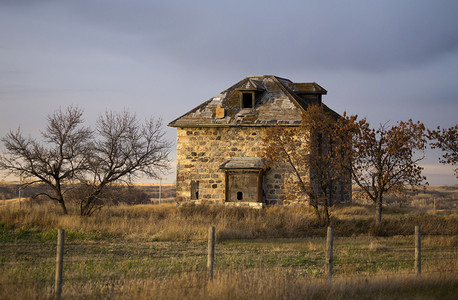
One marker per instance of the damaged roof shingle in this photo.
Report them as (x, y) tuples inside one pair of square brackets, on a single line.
[(277, 101)]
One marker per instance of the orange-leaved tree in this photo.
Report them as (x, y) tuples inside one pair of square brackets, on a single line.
[(385, 159), (447, 141), (312, 157)]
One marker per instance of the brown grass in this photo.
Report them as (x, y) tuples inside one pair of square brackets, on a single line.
[(250, 284), (190, 222), (290, 271)]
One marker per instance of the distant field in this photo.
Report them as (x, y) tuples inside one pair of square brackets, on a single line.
[(154, 184), (443, 197), (133, 194)]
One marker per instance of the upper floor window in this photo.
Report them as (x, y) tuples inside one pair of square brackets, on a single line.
[(247, 99)]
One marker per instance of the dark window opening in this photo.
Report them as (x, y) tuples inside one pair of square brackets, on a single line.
[(342, 193), (239, 196), (320, 143), (247, 100), (194, 190)]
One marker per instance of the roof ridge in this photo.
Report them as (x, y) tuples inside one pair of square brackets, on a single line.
[(282, 78), (290, 93), (264, 76)]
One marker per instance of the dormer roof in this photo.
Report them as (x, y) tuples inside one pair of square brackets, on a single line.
[(251, 85), (308, 88)]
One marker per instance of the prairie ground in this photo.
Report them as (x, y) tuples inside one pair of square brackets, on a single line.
[(160, 252)]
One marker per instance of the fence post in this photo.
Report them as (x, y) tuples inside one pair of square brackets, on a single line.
[(20, 190), (59, 262), (329, 254), (211, 251), (418, 250)]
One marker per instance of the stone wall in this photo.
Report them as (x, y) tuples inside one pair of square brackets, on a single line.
[(200, 152)]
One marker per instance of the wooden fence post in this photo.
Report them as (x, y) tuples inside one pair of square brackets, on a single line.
[(59, 262), (211, 251), (418, 250), (329, 254)]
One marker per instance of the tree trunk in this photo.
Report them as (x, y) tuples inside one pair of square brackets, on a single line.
[(60, 197), (378, 212), (87, 207), (64, 209), (317, 210), (326, 214)]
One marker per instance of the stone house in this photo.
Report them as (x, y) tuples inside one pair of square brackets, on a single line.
[(219, 143)]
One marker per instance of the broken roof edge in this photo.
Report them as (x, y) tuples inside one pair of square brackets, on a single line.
[(228, 125), (211, 125), (171, 124)]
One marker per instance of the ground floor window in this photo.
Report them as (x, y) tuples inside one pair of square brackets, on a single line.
[(194, 190), (244, 185), (244, 176)]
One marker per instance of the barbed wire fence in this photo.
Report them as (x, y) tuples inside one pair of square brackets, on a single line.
[(204, 257)]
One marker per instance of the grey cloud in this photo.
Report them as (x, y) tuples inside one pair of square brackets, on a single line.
[(368, 36), (368, 39), (386, 60)]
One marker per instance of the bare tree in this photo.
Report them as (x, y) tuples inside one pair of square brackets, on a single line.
[(313, 156), (57, 159), (447, 141), (123, 150), (120, 149), (385, 159)]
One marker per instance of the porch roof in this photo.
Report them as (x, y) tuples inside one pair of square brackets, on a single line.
[(244, 163)]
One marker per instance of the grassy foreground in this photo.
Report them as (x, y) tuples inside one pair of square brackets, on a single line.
[(249, 284), (159, 252)]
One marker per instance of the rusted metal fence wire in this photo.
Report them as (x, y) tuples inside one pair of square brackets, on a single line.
[(201, 256)]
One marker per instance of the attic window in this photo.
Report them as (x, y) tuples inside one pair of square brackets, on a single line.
[(247, 99)]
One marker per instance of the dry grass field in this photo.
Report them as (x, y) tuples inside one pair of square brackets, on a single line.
[(159, 252)]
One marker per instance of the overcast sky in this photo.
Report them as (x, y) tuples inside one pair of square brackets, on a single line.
[(384, 60)]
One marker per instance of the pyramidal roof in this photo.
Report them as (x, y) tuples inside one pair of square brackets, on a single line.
[(275, 101)]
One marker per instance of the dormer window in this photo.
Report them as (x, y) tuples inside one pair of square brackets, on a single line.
[(247, 100)]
